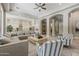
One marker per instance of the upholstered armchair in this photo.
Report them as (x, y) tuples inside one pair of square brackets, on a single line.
[(68, 38), (49, 48)]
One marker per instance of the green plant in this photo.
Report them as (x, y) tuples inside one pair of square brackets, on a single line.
[(9, 28)]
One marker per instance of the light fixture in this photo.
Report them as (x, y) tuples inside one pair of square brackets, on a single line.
[(40, 6)]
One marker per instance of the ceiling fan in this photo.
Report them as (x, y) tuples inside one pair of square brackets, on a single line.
[(40, 6)]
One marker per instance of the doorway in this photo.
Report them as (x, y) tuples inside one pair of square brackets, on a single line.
[(56, 25), (74, 22), (43, 27)]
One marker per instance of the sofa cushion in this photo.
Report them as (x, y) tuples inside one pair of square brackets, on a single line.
[(23, 37)]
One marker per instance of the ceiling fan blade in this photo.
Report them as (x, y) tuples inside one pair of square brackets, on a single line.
[(36, 4), (43, 8), (36, 7), (43, 4)]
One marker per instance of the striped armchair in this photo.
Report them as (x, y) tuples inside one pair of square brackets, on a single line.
[(67, 39), (53, 48)]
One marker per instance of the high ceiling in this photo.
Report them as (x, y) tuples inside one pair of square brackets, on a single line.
[(27, 9)]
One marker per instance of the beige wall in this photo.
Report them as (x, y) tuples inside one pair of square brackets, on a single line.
[(74, 20), (0, 22)]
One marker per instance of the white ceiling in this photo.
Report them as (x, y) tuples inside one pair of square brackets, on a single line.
[(27, 9)]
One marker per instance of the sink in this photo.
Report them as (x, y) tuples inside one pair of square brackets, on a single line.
[(2, 42)]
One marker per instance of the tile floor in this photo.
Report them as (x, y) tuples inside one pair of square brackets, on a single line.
[(73, 50)]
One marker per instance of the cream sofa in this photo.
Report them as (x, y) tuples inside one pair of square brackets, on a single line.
[(18, 48)]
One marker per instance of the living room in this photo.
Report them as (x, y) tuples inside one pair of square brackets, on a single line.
[(26, 29)]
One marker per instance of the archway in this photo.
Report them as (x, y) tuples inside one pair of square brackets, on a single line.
[(74, 22), (56, 25), (44, 27)]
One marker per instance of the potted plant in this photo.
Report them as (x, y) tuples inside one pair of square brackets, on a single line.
[(9, 28)]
